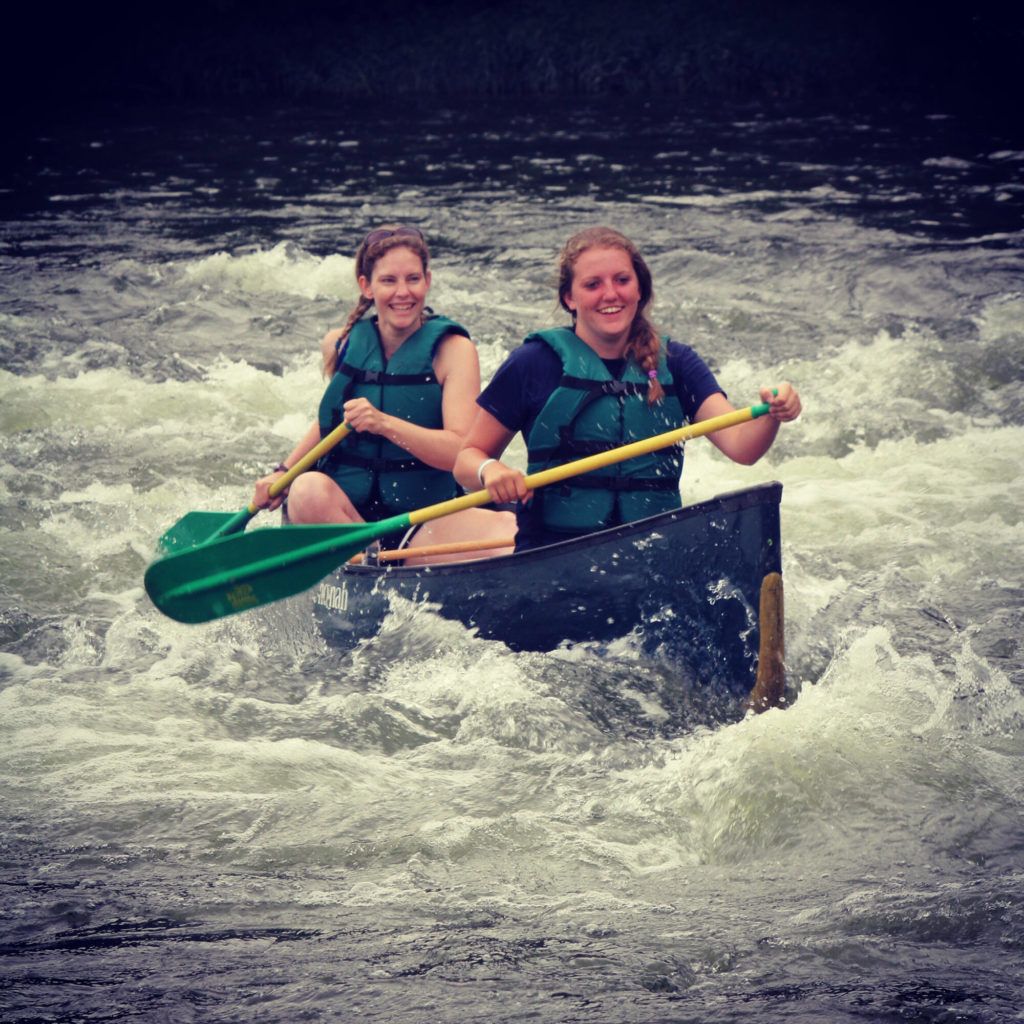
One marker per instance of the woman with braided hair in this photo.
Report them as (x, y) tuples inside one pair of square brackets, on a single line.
[(606, 381), (404, 380)]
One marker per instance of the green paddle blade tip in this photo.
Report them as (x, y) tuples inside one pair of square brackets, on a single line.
[(197, 528)]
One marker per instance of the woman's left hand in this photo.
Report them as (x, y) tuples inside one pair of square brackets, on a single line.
[(784, 406)]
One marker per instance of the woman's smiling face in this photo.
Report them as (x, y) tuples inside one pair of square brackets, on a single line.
[(398, 286), (605, 296)]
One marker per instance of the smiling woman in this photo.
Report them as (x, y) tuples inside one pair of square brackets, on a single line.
[(404, 382), (608, 380)]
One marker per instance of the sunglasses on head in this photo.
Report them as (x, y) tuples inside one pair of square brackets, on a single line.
[(381, 233)]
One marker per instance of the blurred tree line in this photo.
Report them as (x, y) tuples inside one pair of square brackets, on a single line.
[(687, 50)]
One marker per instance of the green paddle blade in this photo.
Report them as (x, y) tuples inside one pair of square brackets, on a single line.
[(197, 528), (242, 571)]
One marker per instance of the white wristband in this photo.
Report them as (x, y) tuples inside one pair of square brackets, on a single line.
[(480, 470)]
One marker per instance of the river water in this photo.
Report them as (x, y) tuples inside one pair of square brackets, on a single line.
[(232, 822)]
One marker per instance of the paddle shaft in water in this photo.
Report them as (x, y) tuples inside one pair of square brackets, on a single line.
[(234, 573)]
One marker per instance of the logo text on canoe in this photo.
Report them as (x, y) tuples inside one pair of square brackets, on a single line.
[(335, 598)]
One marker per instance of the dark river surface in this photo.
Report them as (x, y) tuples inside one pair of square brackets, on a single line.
[(234, 822)]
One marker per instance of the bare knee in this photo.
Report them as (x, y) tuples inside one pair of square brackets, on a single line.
[(316, 498)]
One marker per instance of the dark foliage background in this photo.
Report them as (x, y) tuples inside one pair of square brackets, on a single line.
[(804, 51)]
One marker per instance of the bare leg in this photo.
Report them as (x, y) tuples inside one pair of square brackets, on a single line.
[(469, 524), (315, 498)]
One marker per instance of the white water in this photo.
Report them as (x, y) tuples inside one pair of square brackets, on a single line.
[(231, 822)]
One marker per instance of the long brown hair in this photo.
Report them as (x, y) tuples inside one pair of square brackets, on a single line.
[(367, 255), (643, 344)]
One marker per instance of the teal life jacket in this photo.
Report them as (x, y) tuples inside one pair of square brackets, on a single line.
[(591, 412), (368, 467)]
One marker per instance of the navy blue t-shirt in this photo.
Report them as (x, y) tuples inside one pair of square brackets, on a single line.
[(520, 388)]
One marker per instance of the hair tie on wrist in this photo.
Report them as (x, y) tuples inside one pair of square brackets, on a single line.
[(280, 468), (480, 470)]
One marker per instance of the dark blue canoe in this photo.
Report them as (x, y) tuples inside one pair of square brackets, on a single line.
[(686, 584)]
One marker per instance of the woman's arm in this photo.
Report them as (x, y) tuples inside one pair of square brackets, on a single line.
[(747, 442), (457, 368), (261, 496), (477, 465)]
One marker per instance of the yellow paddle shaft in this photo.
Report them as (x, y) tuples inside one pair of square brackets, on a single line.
[(598, 461), (306, 461)]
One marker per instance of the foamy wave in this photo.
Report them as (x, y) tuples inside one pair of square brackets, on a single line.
[(952, 163), (819, 192), (286, 268), (1002, 319)]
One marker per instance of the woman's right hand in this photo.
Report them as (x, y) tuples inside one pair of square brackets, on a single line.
[(504, 484), (261, 495)]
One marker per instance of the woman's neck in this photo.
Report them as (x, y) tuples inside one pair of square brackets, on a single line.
[(391, 340), (606, 348)]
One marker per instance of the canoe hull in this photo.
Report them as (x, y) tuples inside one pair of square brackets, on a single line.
[(686, 584)]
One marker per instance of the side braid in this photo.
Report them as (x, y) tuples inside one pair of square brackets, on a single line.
[(331, 360), (645, 347)]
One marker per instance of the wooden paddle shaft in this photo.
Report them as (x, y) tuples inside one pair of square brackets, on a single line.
[(451, 548), (770, 688)]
